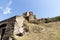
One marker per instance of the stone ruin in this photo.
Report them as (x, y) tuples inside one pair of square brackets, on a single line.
[(29, 16), (14, 26)]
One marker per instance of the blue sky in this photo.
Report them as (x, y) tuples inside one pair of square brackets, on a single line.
[(41, 8)]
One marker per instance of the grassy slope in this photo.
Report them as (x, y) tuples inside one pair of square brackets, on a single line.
[(52, 32)]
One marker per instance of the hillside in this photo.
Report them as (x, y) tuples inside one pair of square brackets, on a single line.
[(45, 31), (41, 29)]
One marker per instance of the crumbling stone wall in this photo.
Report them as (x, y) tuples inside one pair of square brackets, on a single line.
[(8, 29), (13, 24), (18, 25), (29, 16)]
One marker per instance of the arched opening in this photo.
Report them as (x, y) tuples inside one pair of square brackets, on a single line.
[(19, 34), (3, 27)]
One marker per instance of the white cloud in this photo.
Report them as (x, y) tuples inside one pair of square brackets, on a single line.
[(7, 9)]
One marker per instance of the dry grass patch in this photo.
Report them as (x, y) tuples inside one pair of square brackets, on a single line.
[(51, 33)]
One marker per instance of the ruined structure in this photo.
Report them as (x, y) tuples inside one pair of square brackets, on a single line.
[(14, 26), (29, 16)]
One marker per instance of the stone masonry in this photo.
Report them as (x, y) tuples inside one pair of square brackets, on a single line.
[(14, 25)]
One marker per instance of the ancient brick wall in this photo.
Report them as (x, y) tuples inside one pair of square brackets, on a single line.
[(8, 27), (7, 31)]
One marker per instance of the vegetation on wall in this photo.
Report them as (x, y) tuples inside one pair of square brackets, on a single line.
[(54, 19)]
